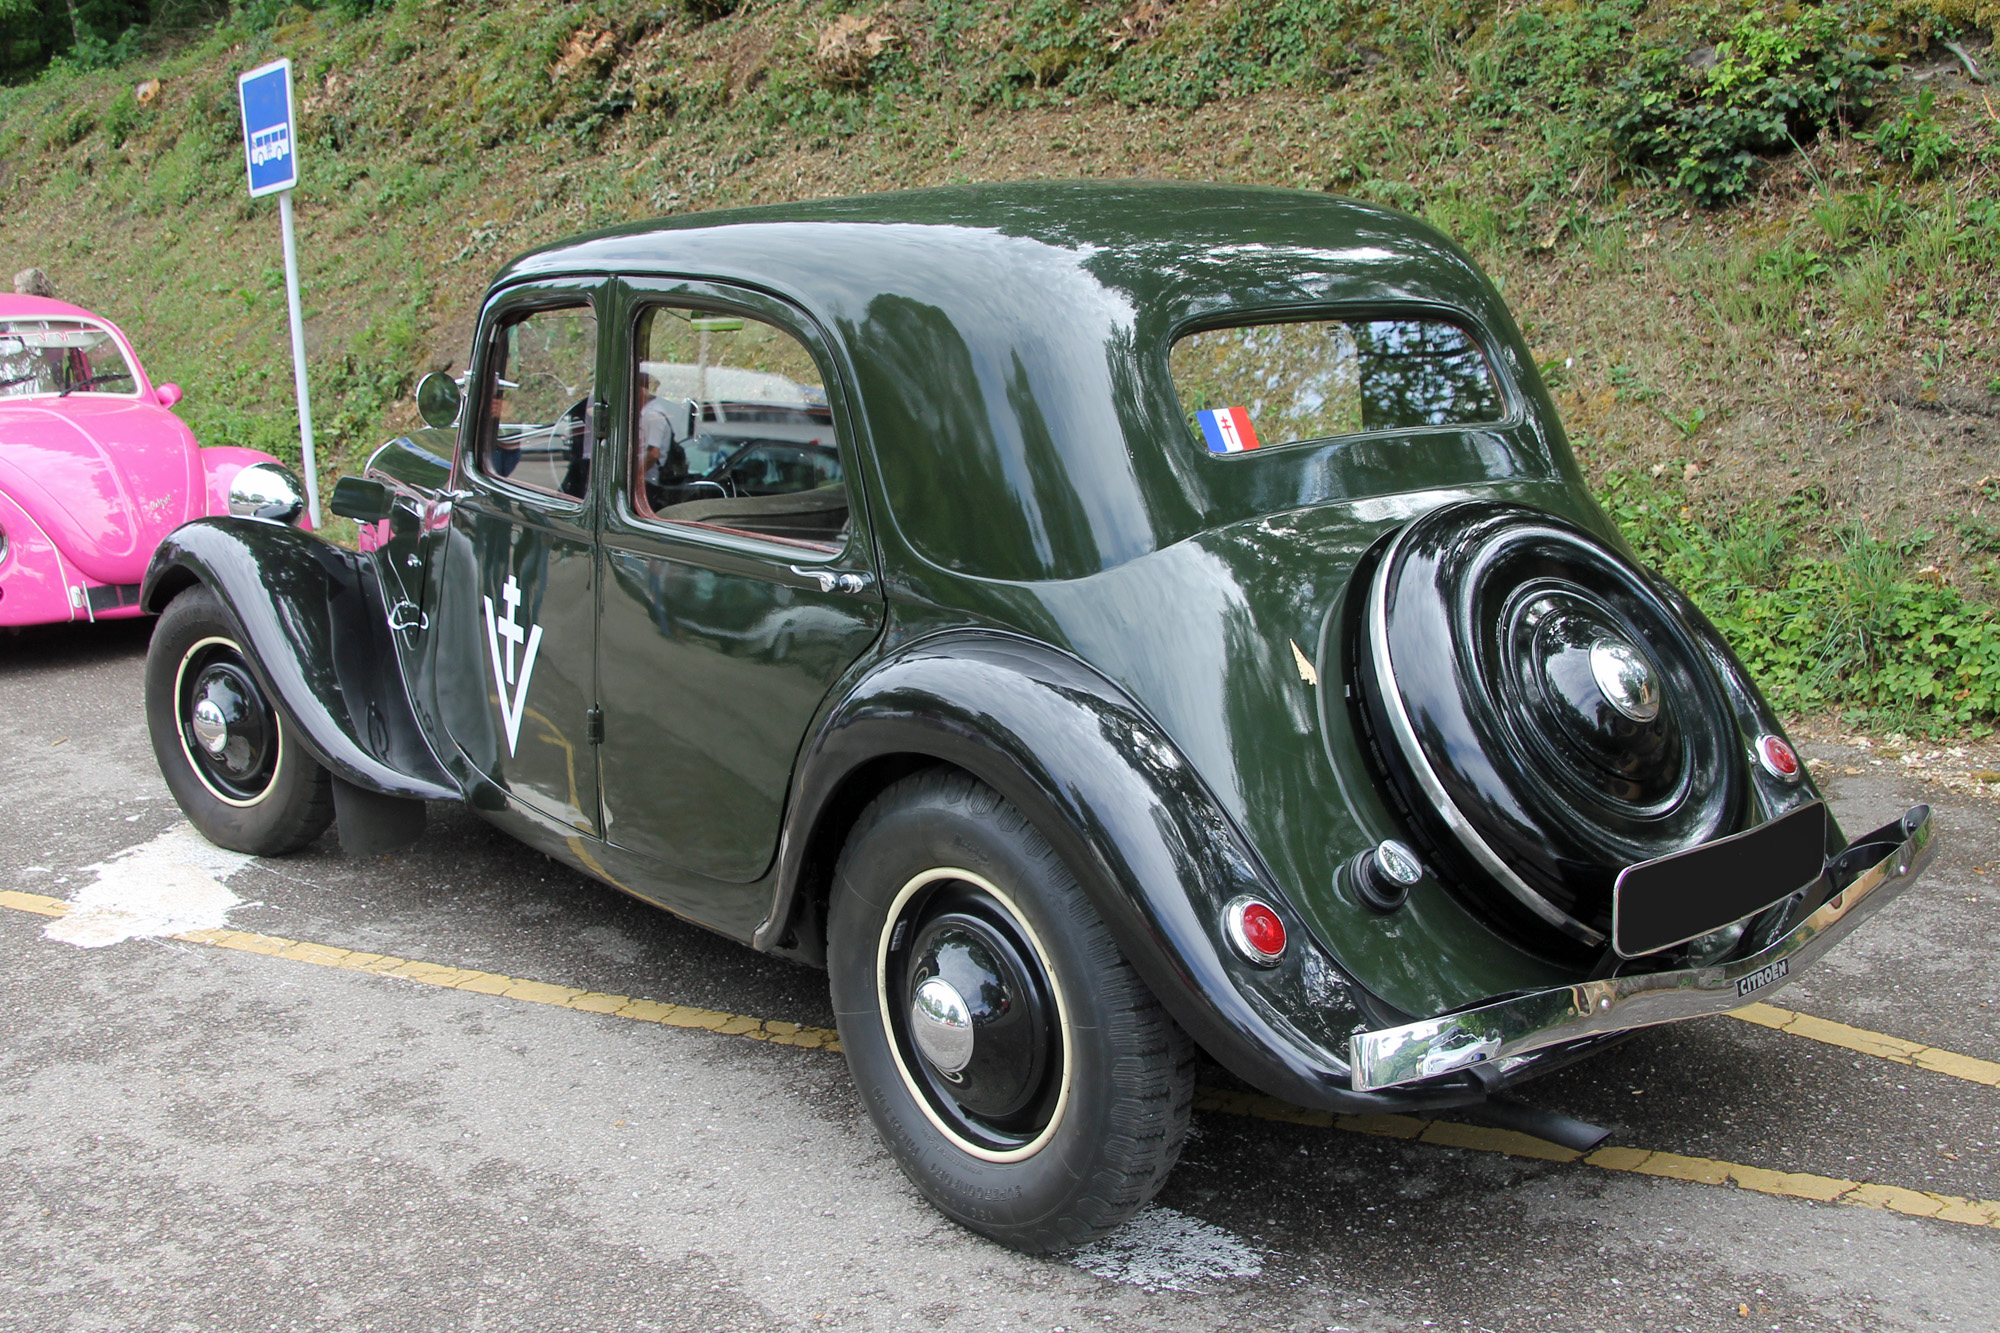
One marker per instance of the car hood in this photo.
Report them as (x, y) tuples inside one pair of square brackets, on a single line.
[(106, 481)]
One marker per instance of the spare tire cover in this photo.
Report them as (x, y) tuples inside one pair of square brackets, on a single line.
[(1544, 713)]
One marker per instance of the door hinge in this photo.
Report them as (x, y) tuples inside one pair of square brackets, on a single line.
[(593, 726), (600, 419)]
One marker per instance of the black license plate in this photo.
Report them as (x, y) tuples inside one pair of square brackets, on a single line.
[(1658, 904)]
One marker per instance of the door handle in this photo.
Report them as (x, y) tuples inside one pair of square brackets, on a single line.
[(851, 582)]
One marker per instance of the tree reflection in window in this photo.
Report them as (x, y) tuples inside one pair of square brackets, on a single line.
[(1315, 379)]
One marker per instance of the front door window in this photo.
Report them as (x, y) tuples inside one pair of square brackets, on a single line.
[(537, 429)]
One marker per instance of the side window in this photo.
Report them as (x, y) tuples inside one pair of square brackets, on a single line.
[(734, 430), (1278, 383), (539, 378)]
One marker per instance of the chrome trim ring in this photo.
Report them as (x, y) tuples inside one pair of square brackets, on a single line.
[(181, 730), (910, 1081), (1406, 740), (1512, 1028)]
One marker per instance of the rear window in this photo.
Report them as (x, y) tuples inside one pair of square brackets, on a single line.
[(1267, 385)]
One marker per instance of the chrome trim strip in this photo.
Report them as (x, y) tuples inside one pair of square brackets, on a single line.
[(1427, 778), (1393, 1056)]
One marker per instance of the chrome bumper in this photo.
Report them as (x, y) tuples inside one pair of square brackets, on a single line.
[(1511, 1028)]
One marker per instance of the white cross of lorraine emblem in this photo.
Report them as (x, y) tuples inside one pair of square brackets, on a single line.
[(503, 669)]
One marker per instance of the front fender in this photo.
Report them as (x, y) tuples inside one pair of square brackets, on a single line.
[(317, 637), (1146, 839)]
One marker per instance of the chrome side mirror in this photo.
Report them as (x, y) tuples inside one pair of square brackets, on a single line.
[(267, 491), (438, 400)]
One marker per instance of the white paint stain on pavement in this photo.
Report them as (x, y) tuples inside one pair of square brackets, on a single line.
[(163, 887), (1161, 1249)]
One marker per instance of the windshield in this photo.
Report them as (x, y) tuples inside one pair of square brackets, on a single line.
[(59, 357)]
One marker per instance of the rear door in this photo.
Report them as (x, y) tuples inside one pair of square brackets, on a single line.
[(738, 580)]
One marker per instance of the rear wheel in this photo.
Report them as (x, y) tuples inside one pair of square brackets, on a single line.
[(227, 755), (1014, 1063)]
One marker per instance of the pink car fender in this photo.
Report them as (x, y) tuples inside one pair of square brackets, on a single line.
[(35, 589)]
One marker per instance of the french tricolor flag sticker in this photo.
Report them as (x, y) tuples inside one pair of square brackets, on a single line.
[(1227, 430)]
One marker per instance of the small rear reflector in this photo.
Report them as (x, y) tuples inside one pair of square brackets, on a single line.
[(1778, 758), (1255, 931)]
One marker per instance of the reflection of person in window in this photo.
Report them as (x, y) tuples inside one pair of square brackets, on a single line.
[(501, 461), (574, 427), (657, 441), (662, 461)]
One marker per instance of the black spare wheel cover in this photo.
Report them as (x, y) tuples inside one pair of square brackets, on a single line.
[(1546, 716)]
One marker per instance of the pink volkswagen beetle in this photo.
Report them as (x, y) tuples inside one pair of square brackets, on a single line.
[(95, 468)]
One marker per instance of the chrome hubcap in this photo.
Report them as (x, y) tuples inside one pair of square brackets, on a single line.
[(941, 1025), (1625, 680), (211, 728)]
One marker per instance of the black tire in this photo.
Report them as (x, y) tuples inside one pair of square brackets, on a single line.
[(940, 870), (259, 792)]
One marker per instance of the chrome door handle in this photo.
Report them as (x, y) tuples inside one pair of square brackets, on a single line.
[(851, 582)]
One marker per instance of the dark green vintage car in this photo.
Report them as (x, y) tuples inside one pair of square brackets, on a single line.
[(1095, 622)]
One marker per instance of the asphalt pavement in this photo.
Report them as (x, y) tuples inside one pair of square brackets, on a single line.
[(197, 1136)]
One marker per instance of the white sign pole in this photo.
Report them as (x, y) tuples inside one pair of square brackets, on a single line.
[(270, 155), (299, 358)]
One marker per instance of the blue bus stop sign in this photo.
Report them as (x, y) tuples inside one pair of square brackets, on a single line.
[(270, 147)]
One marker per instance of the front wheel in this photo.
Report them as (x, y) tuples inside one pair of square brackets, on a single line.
[(1016, 1066), (229, 758)]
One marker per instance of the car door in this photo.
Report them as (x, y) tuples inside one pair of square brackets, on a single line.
[(515, 675), (738, 578)]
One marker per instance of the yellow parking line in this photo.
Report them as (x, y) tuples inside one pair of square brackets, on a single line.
[(1442, 1133), (1639, 1161), (481, 983), (1877, 1044)]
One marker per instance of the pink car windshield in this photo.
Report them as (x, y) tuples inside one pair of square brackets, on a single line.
[(58, 357)]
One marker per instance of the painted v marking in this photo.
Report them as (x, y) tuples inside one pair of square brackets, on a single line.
[(511, 709)]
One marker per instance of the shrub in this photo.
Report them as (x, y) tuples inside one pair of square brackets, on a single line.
[(1703, 120), (1847, 626), (1914, 137)]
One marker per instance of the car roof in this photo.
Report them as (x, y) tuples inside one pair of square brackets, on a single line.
[(42, 307), (1129, 228), (1008, 342)]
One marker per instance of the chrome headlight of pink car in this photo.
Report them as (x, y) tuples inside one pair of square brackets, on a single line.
[(267, 491)]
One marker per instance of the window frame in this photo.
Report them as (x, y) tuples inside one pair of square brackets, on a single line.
[(585, 290)]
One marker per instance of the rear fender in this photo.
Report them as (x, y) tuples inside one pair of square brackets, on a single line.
[(1147, 841), (317, 638)]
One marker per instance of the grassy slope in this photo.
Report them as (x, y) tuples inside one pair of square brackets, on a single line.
[(1820, 361)]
